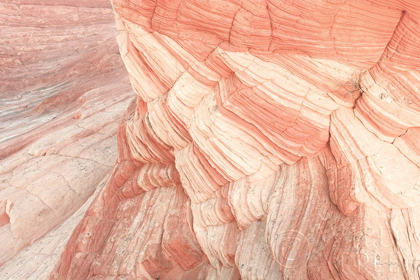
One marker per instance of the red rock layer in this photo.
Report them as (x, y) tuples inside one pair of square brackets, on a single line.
[(269, 140), (51, 53), (63, 92)]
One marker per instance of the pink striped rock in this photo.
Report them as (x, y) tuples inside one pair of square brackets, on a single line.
[(268, 140)]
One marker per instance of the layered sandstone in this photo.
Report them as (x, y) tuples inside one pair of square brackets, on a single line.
[(268, 140), (63, 92)]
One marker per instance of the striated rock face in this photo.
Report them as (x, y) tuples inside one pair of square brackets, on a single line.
[(63, 92), (268, 140), (51, 54)]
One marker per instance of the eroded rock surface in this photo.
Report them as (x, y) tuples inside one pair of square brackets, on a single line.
[(63, 93), (268, 140)]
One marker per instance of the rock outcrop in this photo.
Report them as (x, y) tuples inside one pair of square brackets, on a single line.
[(63, 92), (268, 140)]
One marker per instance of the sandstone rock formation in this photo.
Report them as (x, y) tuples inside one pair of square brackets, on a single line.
[(268, 140), (63, 91)]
